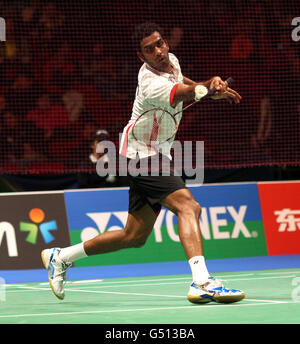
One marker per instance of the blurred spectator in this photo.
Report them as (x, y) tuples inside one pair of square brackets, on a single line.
[(46, 49), (10, 44), (15, 143), (82, 150), (241, 47), (110, 114), (21, 95), (100, 68), (2, 104), (175, 37), (48, 116), (52, 19), (10, 139), (12, 136), (60, 71), (73, 103), (88, 131), (259, 139), (106, 112), (90, 178)]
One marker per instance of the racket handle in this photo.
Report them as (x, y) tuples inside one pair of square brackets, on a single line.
[(212, 91)]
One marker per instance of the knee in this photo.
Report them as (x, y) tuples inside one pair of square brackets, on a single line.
[(198, 209), (191, 207)]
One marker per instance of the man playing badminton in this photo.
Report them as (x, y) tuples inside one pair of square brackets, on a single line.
[(160, 84)]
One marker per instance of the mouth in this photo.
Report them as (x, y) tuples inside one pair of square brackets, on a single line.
[(161, 59)]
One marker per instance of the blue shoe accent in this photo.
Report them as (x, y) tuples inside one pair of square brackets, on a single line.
[(213, 290), (51, 267)]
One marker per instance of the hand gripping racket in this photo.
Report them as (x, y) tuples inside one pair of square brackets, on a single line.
[(156, 126)]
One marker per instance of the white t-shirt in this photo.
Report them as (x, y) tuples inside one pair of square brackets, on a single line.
[(155, 89)]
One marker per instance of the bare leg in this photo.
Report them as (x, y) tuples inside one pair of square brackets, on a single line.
[(188, 210), (138, 227)]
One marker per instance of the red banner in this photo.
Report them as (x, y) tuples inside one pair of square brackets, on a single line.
[(280, 206)]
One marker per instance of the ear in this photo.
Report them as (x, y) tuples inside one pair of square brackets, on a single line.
[(140, 56), (167, 44)]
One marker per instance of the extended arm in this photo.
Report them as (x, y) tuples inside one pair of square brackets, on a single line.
[(186, 91)]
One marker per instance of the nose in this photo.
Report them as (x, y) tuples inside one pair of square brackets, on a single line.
[(158, 51)]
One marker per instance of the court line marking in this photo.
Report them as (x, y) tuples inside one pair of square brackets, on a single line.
[(260, 300), (147, 284), (142, 294), (157, 279), (78, 281), (13, 285), (107, 292), (191, 307), (118, 284), (124, 293), (281, 272), (166, 279), (260, 278)]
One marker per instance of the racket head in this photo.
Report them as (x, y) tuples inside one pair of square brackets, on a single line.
[(154, 127)]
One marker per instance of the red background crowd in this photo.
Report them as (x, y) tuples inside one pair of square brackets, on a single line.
[(68, 68)]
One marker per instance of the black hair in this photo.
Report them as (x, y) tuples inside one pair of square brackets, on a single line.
[(100, 135), (144, 30)]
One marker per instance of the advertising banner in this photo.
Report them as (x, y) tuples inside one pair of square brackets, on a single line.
[(30, 223), (231, 224), (231, 221), (237, 220), (281, 215)]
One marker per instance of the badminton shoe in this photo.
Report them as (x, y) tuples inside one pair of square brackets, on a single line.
[(56, 271), (213, 290)]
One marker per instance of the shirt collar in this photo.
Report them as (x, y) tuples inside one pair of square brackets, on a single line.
[(166, 75)]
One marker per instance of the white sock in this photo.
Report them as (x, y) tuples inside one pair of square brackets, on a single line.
[(72, 253), (199, 269)]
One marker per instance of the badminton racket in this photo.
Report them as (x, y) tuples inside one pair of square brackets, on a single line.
[(157, 126)]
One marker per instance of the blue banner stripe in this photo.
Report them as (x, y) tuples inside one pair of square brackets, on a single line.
[(225, 200)]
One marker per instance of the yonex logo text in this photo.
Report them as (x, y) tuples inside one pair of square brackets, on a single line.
[(213, 229), (218, 222), (102, 222)]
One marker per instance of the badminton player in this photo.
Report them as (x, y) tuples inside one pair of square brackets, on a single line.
[(160, 84)]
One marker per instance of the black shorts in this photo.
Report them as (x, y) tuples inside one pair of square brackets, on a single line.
[(152, 189)]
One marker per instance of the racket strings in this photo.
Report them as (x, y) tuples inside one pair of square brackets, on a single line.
[(154, 127)]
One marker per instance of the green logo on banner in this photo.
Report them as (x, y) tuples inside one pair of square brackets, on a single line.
[(37, 215)]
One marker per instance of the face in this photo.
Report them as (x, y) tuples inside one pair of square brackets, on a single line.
[(154, 51)]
